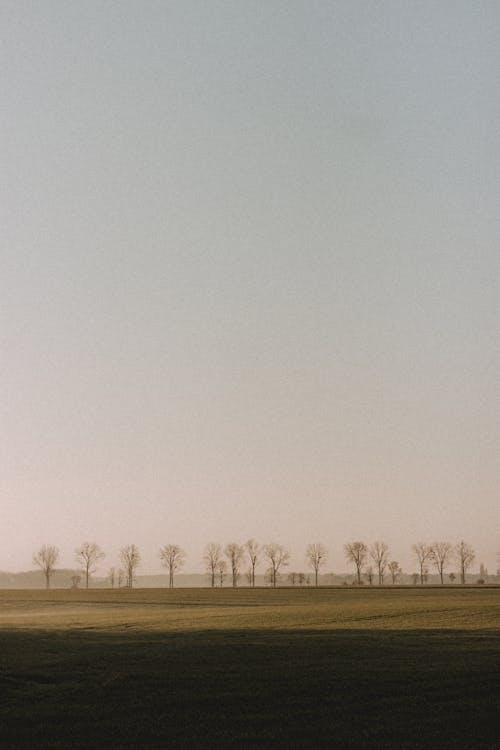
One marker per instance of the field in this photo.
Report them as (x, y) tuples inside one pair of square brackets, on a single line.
[(407, 667)]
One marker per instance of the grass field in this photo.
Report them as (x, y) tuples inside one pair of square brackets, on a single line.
[(393, 667)]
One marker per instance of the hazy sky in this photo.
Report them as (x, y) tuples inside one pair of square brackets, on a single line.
[(250, 275)]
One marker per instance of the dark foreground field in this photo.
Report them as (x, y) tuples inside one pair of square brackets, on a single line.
[(388, 668)]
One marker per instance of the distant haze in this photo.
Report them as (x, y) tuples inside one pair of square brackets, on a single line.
[(250, 276)]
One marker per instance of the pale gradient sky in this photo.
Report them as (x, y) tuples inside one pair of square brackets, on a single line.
[(250, 275)]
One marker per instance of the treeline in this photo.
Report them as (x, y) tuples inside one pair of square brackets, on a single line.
[(235, 562)]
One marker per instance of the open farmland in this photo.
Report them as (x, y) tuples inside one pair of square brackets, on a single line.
[(390, 667)]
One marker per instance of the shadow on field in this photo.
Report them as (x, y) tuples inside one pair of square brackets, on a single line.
[(264, 688)]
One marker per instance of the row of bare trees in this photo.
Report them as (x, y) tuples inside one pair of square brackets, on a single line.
[(441, 554), (370, 561), (217, 560), (232, 557), (88, 556), (358, 553), (172, 556), (438, 554)]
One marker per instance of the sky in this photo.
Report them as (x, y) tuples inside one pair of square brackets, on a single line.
[(249, 276)]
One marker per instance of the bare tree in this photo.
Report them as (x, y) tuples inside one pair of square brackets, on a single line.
[(112, 577), (211, 557), (131, 560), (252, 549), (379, 553), (120, 577), (234, 553), (316, 555), (465, 555), (370, 574), (88, 556), (356, 553), (278, 556), (172, 557), (46, 559), (394, 570), (422, 552), (221, 568), (440, 555)]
